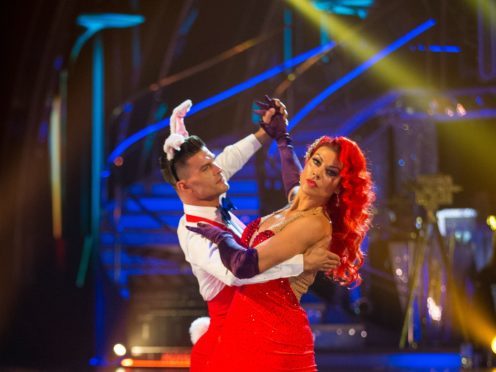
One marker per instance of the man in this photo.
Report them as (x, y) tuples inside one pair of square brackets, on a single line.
[(200, 179)]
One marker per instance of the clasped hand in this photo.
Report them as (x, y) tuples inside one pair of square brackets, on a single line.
[(319, 258), (274, 117)]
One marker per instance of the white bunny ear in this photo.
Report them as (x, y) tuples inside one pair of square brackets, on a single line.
[(173, 124), (177, 129), (182, 109), (177, 118), (173, 142)]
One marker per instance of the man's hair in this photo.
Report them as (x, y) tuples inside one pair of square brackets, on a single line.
[(170, 168)]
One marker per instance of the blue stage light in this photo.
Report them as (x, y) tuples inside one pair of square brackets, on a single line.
[(357, 8), (128, 142), (425, 360)]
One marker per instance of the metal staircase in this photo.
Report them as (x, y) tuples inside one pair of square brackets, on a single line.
[(141, 238)]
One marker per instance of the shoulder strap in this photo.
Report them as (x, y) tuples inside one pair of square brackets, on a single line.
[(192, 218)]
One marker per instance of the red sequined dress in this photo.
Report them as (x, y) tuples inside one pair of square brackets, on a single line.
[(204, 348), (218, 308), (266, 329)]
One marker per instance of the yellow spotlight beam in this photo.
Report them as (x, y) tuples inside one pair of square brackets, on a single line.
[(360, 46), (491, 222), (485, 8), (485, 13), (476, 320)]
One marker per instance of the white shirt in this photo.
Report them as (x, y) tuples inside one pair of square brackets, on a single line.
[(203, 255)]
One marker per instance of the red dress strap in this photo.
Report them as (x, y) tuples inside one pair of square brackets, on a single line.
[(191, 218)]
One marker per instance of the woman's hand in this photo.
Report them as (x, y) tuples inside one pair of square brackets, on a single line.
[(319, 258)]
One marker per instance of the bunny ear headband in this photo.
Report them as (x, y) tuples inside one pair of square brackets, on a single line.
[(177, 128)]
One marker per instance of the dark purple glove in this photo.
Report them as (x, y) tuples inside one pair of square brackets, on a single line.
[(290, 167), (241, 261), (277, 129)]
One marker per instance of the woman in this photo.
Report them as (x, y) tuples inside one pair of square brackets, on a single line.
[(266, 329)]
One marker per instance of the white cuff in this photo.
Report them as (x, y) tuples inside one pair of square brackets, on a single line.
[(293, 267)]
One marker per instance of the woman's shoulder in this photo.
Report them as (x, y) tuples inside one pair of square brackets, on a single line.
[(316, 223), (321, 221)]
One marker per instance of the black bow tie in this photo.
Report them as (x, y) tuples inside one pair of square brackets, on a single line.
[(225, 206)]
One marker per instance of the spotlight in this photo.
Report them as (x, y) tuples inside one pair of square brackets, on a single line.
[(493, 345), (128, 362), (435, 311), (120, 350), (461, 111), (491, 222), (118, 161)]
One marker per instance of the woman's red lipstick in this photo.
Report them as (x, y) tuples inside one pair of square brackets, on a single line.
[(311, 183)]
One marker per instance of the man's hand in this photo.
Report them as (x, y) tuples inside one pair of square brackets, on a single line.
[(274, 118), (261, 134), (319, 258), (268, 103)]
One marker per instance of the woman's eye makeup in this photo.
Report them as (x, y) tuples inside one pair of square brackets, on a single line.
[(332, 172)]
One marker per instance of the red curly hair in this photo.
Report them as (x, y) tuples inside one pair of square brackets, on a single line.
[(350, 211)]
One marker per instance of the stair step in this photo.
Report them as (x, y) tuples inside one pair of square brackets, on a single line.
[(139, 238), (146, 224), (143, 221), (236, 186), (139, 265), (137, 189), (157, 204), (139, 221), (153, 204), (163, 189), (129, 261)]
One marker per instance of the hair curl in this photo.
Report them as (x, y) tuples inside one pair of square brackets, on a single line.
[(351, 214)]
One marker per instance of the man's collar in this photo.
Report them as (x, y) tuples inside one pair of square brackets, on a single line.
[(212, 213)]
